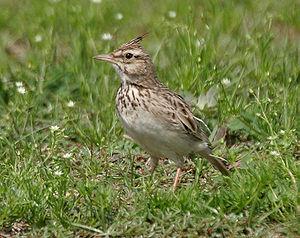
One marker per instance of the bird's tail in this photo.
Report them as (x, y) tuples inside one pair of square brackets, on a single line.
[(218, 163)]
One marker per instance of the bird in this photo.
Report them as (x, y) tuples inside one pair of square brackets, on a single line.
[(156, 118)]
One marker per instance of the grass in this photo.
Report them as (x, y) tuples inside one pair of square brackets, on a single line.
[(66, 170)]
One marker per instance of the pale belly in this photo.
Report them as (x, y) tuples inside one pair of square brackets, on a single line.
[(157, 138)]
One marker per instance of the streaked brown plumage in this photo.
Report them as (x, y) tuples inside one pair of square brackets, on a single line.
[(159, 120)]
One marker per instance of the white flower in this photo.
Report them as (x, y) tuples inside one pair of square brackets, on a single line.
[(21, 90), (96, 1), (272, 137), (19, 84), (58, 173), (38, 38), (225, 81), (70, 104), (106, 36), (172, 14), (119, 16), (54, 128), (200, 42), (67, 155), (274, 153)]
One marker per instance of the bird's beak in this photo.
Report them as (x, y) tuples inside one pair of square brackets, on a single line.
[(107, 58)]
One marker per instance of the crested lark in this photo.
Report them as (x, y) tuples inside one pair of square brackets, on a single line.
[(159, 120)]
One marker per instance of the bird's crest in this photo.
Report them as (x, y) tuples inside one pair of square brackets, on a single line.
[(136, 41)]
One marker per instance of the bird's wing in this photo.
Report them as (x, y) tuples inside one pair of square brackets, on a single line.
[(179, 114)]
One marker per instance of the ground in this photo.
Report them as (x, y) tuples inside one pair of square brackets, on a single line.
[(67, 171)]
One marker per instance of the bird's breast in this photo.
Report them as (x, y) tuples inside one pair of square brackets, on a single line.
[(133, 109)]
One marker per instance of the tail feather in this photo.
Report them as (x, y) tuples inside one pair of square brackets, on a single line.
[(217, 163)]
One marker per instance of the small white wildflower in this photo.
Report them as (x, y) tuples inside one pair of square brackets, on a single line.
[(19, 84), (21, 90), (67, 155), (106, 36), (226, 81), (96, 1), (274, 153), (70, 104), (58, 173), (282, 132), (55, 194), (268, 73), (172, 14), (272, 137), (200, 42), (38, 38), (54, 128), (119, 16)]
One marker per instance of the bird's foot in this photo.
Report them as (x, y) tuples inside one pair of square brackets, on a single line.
[(176, 179)]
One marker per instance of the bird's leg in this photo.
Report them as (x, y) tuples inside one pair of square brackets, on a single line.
[(177, 178), (152, 163)]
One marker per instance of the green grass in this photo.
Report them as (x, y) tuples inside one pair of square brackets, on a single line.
[(84, 178)]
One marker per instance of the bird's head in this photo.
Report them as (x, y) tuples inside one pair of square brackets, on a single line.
[(131, 62)]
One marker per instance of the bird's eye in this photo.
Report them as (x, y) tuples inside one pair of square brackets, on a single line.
[(128, 56)]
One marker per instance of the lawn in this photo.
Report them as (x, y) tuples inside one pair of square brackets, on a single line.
[(67, 171)]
